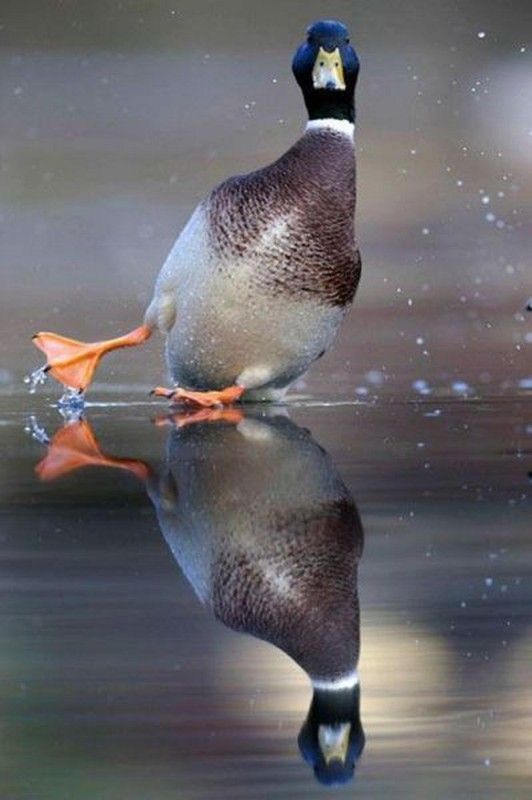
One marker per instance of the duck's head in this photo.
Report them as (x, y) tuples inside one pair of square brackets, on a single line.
[(326, 68), (332, 738)]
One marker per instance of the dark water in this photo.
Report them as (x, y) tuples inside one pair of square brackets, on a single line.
[(404, 528)]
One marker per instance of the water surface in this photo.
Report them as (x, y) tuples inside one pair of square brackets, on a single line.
[(117, 681)]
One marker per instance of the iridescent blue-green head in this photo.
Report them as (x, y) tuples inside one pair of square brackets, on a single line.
[(326, 68)]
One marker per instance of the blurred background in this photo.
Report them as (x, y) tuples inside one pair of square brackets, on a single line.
[(118, 117)]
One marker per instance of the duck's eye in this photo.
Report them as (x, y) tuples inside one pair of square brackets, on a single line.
[(336, 64), (322, 63), (347, 41)]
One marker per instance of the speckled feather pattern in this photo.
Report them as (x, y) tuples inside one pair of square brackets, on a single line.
[(294, 219), (268, 535), (258, 282), (317, 624)]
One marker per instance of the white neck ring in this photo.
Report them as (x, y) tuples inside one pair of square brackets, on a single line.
[(339, 125), (345, 682)]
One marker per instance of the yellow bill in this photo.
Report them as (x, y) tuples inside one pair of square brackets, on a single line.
[(328, 71), (334, 741)]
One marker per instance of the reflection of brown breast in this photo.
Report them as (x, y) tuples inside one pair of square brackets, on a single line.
[(298, 590), (295, 220)]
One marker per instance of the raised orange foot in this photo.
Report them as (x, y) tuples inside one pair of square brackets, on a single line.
[(73, 363)]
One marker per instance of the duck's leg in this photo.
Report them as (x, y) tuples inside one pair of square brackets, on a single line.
[(73, 363), (75, 446), (224, 397)]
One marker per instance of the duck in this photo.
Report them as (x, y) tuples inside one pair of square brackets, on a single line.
[(257, 284), (270, 539), (268, 535)]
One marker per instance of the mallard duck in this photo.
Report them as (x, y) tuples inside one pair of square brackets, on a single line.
[(258, 282), (260, 522), (270, 539)]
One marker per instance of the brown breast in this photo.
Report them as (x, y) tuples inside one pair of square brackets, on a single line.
[(315, 617), (294, 220)]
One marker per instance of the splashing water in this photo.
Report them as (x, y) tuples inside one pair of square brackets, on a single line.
[(71, 403), (37, 431), (36, 378)]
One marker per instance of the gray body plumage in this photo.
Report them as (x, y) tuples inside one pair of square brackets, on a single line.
[(258, 282), (268, 535)]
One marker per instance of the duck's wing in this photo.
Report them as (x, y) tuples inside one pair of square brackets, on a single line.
[(291, 223), (287, 226)]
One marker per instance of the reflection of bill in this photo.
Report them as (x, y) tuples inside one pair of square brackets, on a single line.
[(268, 536)]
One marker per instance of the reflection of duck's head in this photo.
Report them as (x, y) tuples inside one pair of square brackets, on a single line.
[(269, 536), (332, 737)]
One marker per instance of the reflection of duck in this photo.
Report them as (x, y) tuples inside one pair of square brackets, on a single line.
[(269, 537), (257, 284)]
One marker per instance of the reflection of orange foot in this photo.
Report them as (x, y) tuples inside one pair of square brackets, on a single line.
[(230, 415), (73, 363), (224, 397), (75, 446)]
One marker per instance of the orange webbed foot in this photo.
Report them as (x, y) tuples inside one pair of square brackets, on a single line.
[(230, 415), (75, 446), (73, 363), (223, 397)]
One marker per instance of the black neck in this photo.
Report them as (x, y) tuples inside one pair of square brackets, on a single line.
[(333, 708), (326, 104)]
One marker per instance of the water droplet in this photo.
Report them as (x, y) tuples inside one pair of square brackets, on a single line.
[(460, 387), (375, 376), (36, 378), (421, 386), (525, 383), (481, 34), (37, 431)]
